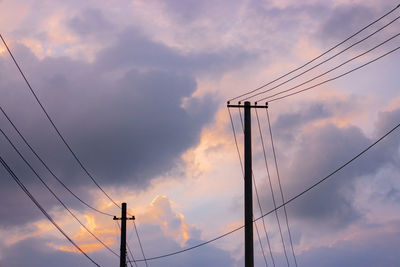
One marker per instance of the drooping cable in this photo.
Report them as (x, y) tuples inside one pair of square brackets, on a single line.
[(54, 126), (26, 191), (336, 77), (129, 261), (241, 165), (330, 70), (271, 188), (131, 254), (280, 185), (47, 167), (319, 56), (326, 60), (258, 199), (140, 243), (280, 206), (55, 195)]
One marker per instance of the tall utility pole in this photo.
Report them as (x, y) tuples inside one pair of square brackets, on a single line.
[(248, 185), (248, 189), (122, 256)]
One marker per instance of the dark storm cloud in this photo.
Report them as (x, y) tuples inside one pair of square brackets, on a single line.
[(123, 114), (132, 136), (140, 131), (128, 124)]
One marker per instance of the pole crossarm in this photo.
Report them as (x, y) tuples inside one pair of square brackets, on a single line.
[(127, 218), (240, 105)]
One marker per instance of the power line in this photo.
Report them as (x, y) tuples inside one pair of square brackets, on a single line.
[(280, 206), (280, 186), (261, 245), (54, 126), (321, 55), (140, 244), (26, 191), (55, 195), (129, 260), (259, 204), (47, 167), (326, 60), (337, 77), (271, 189), (130, 253), (332, 69)]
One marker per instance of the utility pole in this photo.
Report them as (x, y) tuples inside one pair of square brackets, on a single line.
[(122, 256), (248, 178)]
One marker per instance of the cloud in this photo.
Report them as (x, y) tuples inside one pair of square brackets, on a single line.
[(173, 224), (320, 149), (374, 246), (134, 49), (127, 125), (37, 252), (161, 225), (90, 21), (347, 18), (132, 127)]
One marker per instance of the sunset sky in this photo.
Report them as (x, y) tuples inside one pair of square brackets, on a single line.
[(138, 89)]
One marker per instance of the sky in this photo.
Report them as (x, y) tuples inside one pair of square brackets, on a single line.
[(138, 89)]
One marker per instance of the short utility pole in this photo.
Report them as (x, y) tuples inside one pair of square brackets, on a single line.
[(248, 185), (122, 256)]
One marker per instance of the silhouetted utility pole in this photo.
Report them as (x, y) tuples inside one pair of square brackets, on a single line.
[(248, 189), (122, 256)]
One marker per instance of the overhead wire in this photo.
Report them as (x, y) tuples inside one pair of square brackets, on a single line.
[(140, 243), (326, 60), (336, 77), (129, 261), (259, 204), (54, 125), (271, 188), (281, 205), (56, 128), (131, 254), (231, 99), (257, 231), (319, 56), (55, 195), (280, 186), (32, 198), (48, 168), (332, 69)]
